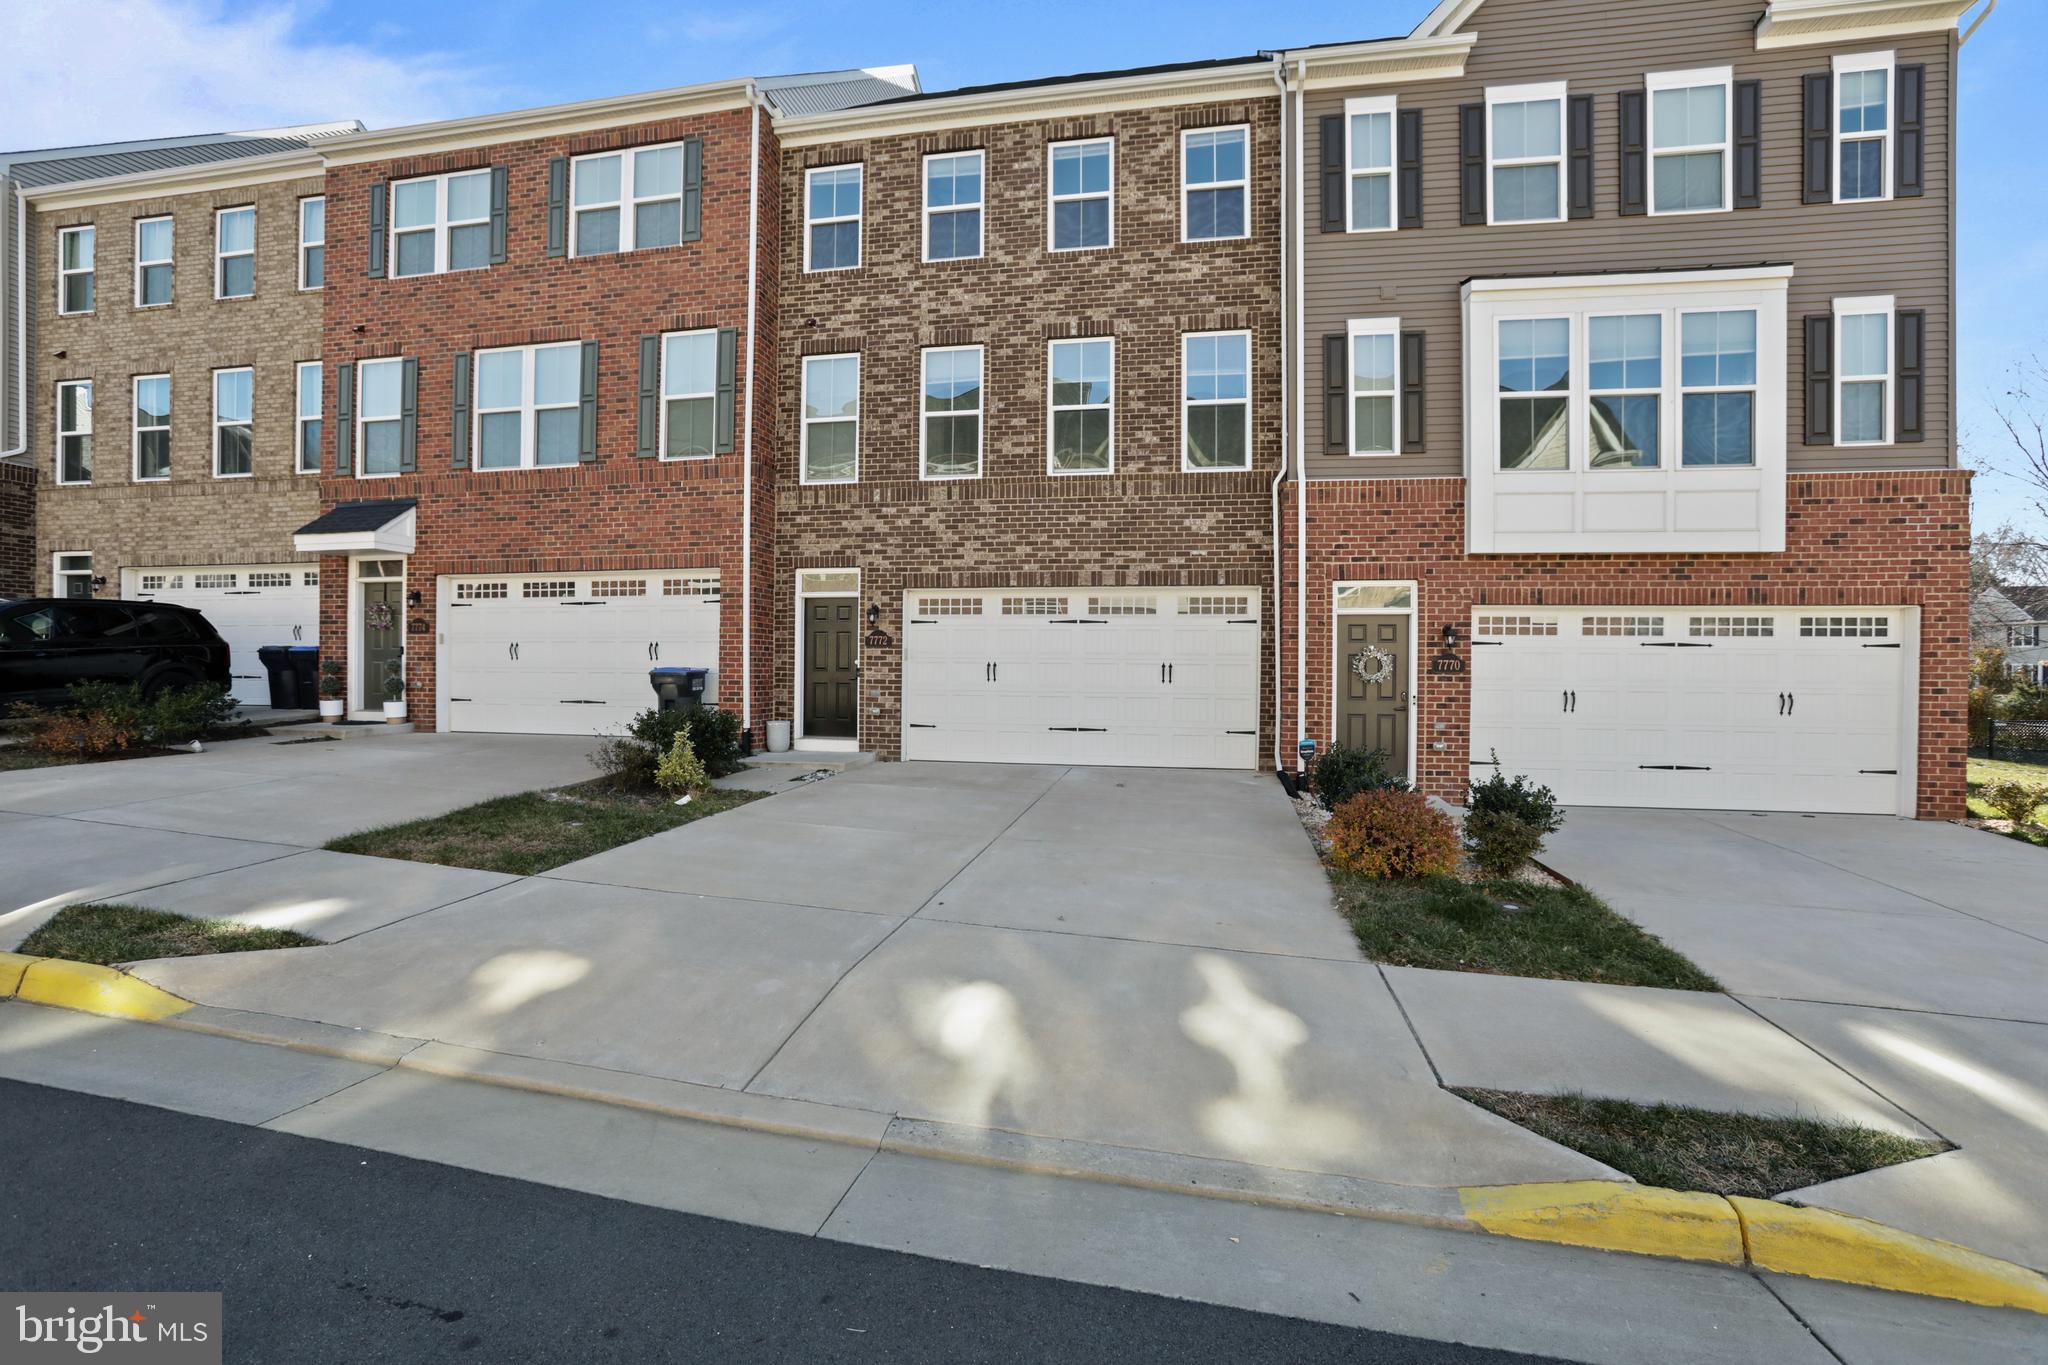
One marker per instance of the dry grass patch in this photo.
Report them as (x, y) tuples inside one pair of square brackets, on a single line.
[(109, 934)]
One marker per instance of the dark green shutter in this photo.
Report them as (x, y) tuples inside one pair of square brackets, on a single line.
[(1909, 174), (1909, 418), (344, 418), (1335, 218), (650, 398), (380, 195), (498, 197), (693, 189), (1472, 164), (1817, 120), (558, 206), (1412, 369), (458, 426), (1336, 394), (1820, 379), (728, 358), (1579, 163), (1408, 160), (586, 451), (1630, 107), (409, 417)]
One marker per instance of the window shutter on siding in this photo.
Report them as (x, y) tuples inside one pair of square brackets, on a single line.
[(728, 357), (586, 449), (650, 398), (1635, 153), (1749, 144), (459, 418), (693, 189), (498, 197), (1332, 139), (1910, 417), (1579, 164), (380, 195), (1408, 163), (409, 417), (344, 418), (1817, 121), (1820, 379), (1909, 180), (1413, 351), (558, 206), (1336, 394), (1471, 164)]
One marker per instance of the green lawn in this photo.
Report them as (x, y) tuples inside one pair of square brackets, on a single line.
[(110, 934), (1509, 928), (534, 831), (1985, 770), (1681, 1148)]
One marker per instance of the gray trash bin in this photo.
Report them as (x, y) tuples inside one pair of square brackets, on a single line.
[(678, 688)]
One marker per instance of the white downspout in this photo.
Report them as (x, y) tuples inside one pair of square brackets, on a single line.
[(1300, 430), (1280, 474), (20, 245), (747, 438)]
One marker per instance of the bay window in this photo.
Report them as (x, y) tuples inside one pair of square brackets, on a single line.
[(1624, 388), (1535, 393), (1717, 380)]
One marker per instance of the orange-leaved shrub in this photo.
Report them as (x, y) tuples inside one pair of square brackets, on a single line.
[(1392, 834)]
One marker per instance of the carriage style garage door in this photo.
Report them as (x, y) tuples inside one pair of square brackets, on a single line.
[(568, 654), (251, 605), (1717, 710), (1138, 678)]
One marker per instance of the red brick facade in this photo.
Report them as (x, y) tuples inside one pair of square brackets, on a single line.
[(1851, 540)]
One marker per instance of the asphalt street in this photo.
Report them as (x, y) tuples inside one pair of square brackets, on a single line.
[(332, 1253)]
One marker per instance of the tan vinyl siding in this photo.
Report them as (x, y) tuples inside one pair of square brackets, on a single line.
[(1900, 247)]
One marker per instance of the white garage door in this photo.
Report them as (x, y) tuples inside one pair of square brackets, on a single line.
[(1677, 707), (251, 605), (1160, 678), (568, 654)]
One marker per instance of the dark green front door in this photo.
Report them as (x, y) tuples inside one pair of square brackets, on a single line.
[(383, 636), (831, 667)]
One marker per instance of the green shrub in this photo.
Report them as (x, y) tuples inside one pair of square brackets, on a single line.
[(98, 719), (333, 684), (1389, 833), (181, 715), (1518, 797), (2014, 799), (680, 771), (631, 759), (1501, 844), (1341, 773)]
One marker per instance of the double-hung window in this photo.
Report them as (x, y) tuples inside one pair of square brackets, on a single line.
[(152, 427), (234, 413), (74, 431), (1525, 153), (1691, 170), (312, 242), (153, 264), (628, 201), (528, 406), (1863, 362), (75, 269), (1535, 364), (1717, 387), (234, 253), (952, 206), (832, 218), (306, 437), (1082, 176), (1216, 400), (441, 223), (1375, 386), (1081, 426), (1215, 184), (380, 417), (950, 413), (1863, 126), (689, 395), (1369, 163), (831, 419), (1625, 390)]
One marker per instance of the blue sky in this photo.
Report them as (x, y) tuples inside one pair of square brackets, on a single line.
[(157, 66)]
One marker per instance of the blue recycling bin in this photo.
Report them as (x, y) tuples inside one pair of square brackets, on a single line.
[(678, 688)]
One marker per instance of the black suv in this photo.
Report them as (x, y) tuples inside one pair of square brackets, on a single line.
[(49, 643)]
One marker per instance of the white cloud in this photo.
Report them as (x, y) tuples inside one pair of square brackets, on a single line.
[(118, 69)]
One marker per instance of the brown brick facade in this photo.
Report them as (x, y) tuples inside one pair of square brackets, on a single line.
[(17, 528)]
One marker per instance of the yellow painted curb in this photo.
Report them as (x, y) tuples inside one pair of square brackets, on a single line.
[(95, 990), (1824, 1245), (12, 965), (1610, 1217)]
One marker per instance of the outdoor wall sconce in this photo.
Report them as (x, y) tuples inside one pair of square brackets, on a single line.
[(412, 599), (1450, 635), (99, 582), (874, 614)]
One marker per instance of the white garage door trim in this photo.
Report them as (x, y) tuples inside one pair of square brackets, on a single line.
[(1123, 677), (251, 605), (1717, 708), (567, 653)]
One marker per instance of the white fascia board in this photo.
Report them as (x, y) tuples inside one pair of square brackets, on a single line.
[(1445, 18), (1674, 280), (1397, 61), (395, 537), (522, 125), (206, 176), (1807, 23)]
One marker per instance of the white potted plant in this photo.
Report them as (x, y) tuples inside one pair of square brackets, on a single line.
[(394, 689), (333, 689)]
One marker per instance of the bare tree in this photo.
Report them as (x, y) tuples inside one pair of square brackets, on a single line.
[(2024, 415)]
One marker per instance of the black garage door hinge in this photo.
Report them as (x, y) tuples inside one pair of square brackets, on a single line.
[(1674, 644), (1486, 763), (1893, 645), (1240, 732), (1880, 772), (1676, 767), (917, 726), (1081, 729), (581, 701)]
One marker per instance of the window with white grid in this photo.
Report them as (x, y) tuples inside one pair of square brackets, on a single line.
[(1223, 605), (949, 606), (312, 578), (1730, 627), (557, 587), (1517, 625), (619, 587), (1034, 606), (690, 585), (479, 592), (1622, 625), (214, 580), (1123, 606), (1845, 627), (152, 582), (270, 580)]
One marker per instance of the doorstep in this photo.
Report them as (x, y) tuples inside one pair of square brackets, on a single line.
[(835, 759), (348, 729), (771, 773)]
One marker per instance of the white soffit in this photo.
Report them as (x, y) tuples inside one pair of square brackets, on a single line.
[(1804, 23)]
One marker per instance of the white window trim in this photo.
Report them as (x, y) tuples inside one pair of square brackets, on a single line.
[(1723, 76), (64, 275), (806, 421), (1573, 393), (1520, 94), (1886, 62), (58, 573), (136, 429), (1355, 108), (57, 426), (218, 423), (1887, 305), (662, 395), (924, 473), (221, 258), (300, 417), (1244, 184), (860, 245), (441, 227), (1052, 408), (1187, 403), (360, 457), (140, 261), (529, 408), (1667, 358), (1053, 200), (1369, 327), (628, 200), (1681, 389), (979, 206), (305, 242)]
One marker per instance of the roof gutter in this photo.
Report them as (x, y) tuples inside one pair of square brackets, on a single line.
[(1977, 23), (754, 101)]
